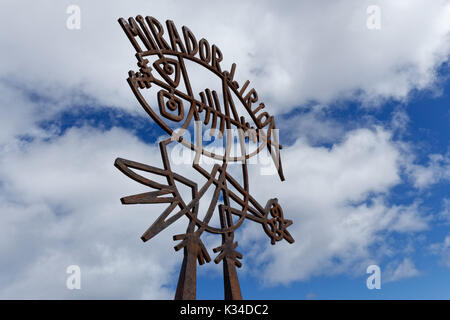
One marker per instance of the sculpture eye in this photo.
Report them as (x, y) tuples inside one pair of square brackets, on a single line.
[(169, 103), (169, 69)]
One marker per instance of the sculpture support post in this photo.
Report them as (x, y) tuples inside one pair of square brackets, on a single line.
[(231, 281), (163, 70), (187, 281), (229, 258)]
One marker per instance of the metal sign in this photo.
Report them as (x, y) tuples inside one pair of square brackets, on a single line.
[(232, 114)]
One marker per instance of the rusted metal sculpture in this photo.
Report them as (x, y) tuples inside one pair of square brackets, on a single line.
[(221, 115)]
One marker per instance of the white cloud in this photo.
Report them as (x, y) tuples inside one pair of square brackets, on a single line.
[(400, 270), (292, 53), (445, 212), (336, 198), (437, 169), (19, 114), (400, 120), (60, 195), (315, 125), (443, 250), (60, 206)]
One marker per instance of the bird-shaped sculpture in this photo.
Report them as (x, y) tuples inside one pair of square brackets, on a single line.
[(218, 112)]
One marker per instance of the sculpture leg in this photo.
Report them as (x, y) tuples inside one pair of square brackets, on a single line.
[(230, 280), (187, 281), (230, 261)]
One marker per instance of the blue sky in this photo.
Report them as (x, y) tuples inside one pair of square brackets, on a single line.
[(365, 121), (428, 129)]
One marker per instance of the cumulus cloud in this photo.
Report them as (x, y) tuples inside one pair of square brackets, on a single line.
[(315, 125), (400, 270), (20, 114), (444, 214), (336, 196), (437, 170), (60, 206), (443, 250), (60, 192), (298, 52)]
